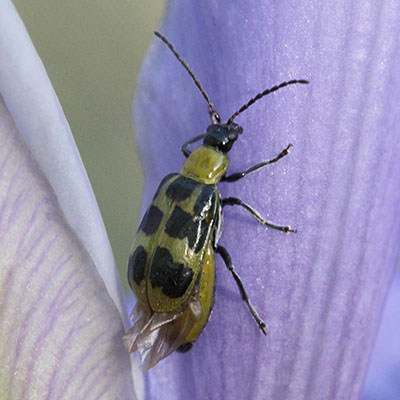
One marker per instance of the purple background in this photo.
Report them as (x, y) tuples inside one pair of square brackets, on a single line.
[(321, 291)]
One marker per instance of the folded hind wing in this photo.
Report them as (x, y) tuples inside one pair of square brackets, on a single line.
[(156, 335)]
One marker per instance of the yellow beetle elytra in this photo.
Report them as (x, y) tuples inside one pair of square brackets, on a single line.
[(171, 268)]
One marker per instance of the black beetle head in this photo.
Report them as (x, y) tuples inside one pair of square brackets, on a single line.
[(222, 136)]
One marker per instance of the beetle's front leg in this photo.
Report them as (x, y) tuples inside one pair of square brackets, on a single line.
[(239, 175), (186, 152)]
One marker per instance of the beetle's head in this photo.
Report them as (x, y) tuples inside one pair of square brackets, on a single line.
[(222, 136)]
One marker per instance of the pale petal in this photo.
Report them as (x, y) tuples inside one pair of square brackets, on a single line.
[(60, 332), (37, 113)]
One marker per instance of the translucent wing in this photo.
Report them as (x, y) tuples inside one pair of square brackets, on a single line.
[(156, 335)]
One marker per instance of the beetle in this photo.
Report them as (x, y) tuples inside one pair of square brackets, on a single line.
[(171, 268)]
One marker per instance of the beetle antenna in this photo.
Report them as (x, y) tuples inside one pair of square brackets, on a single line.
[(262, 94), (213, 112)]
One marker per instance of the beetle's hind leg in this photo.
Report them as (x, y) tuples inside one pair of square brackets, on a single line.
[(233, 201), (186, 152), (239, 175), (228, 262)]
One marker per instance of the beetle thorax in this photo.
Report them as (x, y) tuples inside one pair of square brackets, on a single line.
[(206, 165)]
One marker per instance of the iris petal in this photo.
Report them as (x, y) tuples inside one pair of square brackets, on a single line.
[(60, 332), (321, 291), (34, 106), (32, 114)]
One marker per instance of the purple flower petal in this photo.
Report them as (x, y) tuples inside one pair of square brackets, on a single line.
[(383, 379), (322, 291), (60, 332)]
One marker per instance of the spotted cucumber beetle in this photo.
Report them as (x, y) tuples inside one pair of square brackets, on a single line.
[(171, 268)]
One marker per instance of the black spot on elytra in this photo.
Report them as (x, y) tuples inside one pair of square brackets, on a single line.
[(137, 265), (205, 201), (182, 225), (151, 220), (181, 188), (173, 278), (179, 223), (162, 183)]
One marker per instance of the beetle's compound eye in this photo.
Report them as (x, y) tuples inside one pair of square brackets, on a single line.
[(237, 129), (232, 136)]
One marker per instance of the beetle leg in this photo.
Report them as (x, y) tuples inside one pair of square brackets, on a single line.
[(185, 145), (228, 262), (239, 175), (233, 201)]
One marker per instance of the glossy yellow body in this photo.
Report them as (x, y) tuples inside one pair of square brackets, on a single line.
[(206, 165)]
